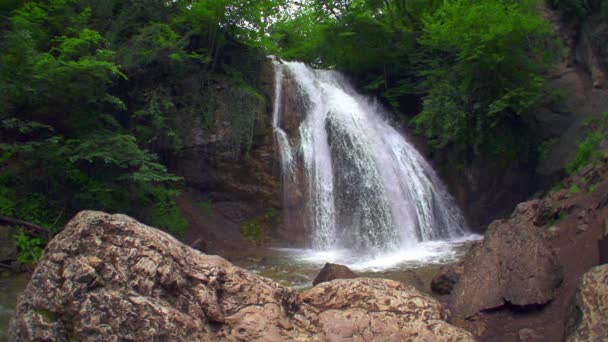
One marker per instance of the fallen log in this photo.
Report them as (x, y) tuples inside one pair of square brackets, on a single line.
[(31, 228)]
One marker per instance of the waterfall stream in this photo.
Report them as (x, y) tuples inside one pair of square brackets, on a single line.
[(366, 188)]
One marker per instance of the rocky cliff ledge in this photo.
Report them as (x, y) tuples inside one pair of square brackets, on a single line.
[(109, 277)]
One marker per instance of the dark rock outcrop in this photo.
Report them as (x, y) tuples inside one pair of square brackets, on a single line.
[(514, 265), (109, 277), (588, 320), (8, 249), (331, 272), (443, 282)]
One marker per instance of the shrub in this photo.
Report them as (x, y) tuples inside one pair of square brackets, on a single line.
[(29, 249), (575, 189), (585, 152)]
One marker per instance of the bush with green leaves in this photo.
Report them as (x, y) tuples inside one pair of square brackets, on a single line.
[(588, 150), (486, 71), (585, 153), (29, 249)]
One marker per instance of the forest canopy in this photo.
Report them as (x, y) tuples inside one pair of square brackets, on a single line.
[(77, 131)]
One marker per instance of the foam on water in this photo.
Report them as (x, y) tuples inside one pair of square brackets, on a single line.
[(423, 254)]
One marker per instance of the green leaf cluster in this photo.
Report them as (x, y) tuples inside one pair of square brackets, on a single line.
[(29, 249), (486, 71), (588, 150)]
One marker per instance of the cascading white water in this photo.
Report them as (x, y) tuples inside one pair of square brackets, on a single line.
[(367, 188)]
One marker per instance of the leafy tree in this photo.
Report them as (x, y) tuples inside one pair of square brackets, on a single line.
[(62, 128), (485, 71)]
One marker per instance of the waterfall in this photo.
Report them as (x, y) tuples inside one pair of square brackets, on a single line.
[(366, 187)]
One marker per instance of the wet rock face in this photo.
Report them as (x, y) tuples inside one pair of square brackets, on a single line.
[(513, 265), (588, 319), (331, 272), (109, 277), (448, 276)]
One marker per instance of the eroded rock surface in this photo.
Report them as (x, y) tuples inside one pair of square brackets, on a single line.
[(513, 265), (588, 320), (109, 277)]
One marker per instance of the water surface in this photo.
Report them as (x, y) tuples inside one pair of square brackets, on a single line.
[(416, 266), (11, 286)]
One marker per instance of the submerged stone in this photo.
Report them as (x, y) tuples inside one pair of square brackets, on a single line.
[(331, 272)]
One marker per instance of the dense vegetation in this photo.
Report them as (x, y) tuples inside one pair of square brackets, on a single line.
[(86, 100), (476, 65), (88, 87)]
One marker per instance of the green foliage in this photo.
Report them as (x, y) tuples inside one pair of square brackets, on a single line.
[(588, 149), (593, 188), (486, 70), (560, 218), (477, 65), (162, 211), (256, 229), (585, 152), (574, 189), (88, 94), (8, 202), (557, 187), (206, 207), (63, 130), (29, 249)]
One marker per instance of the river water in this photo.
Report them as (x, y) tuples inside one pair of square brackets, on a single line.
[(416, 266), (11, 286)]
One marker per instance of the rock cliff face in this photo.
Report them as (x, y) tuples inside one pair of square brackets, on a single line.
[(577, 89), (523, 279), (514, 265), (109, 277), (227, 152), (228, 146)]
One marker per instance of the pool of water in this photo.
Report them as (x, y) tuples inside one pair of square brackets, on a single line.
[(417, 265), (11, 286)]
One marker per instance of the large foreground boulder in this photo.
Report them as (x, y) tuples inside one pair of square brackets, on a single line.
[(514, 265), (109, 278), (588, 319)]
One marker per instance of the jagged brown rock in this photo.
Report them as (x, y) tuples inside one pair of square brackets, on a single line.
[(109, 278), (588, 319), (513, 265), (331, 272)]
